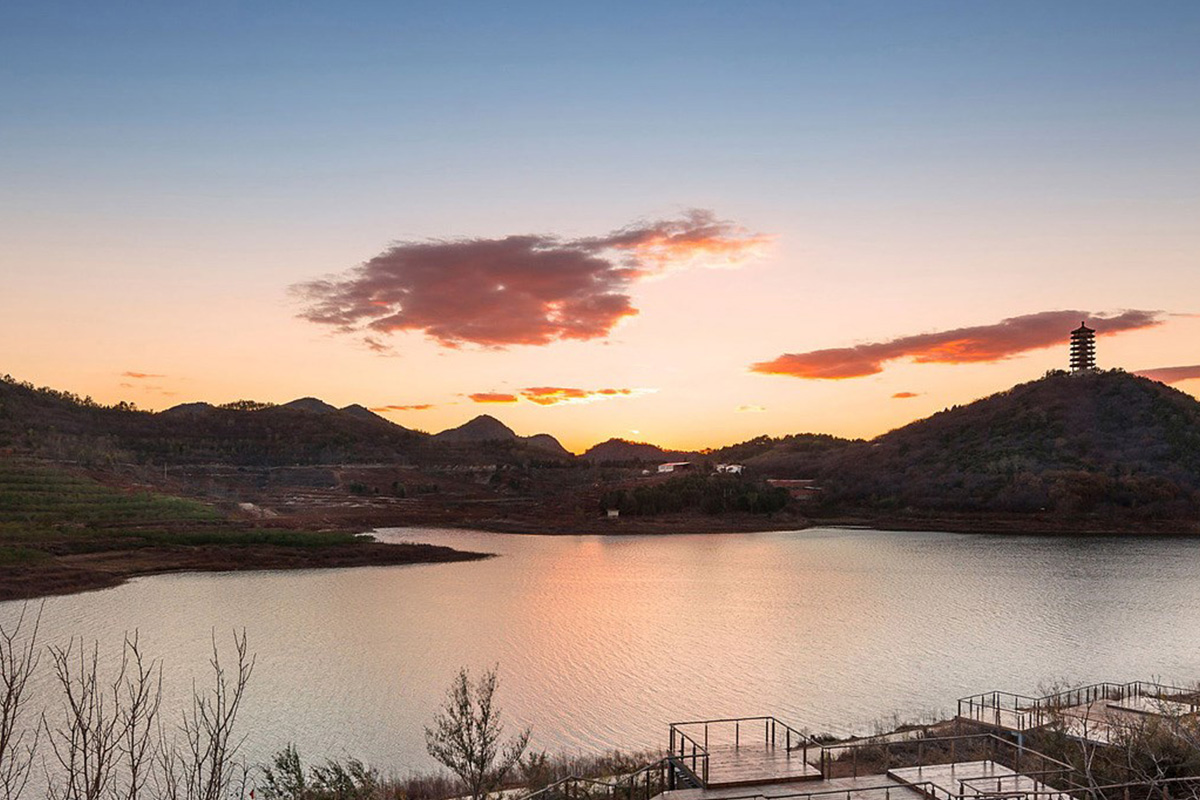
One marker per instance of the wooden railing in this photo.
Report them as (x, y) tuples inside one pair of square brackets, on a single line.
[(688, 754), (694, 740), (849, 759), (642, 784), (1021, 713)]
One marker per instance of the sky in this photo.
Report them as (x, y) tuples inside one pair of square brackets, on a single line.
[(685, 223)]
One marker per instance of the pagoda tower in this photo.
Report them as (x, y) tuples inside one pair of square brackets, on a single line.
[(1083, 349)]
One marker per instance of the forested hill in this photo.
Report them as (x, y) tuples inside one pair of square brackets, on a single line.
[(1088, 443), (64, 426)]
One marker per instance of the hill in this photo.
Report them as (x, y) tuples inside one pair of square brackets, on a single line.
[(312, 405), (362, 412), (486, 429), (796, 455), (620, 451), (1070, 444), (547, 443)]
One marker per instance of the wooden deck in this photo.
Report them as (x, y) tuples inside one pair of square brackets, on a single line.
[(751, 765), (971, 777), (869, 787)]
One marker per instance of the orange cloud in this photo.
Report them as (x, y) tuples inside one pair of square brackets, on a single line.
[(751, 409), (415, 407), (905, 395), (493, 397), (981, 343), (141, 375), (552, 395), (518, 290), (1171, 374)]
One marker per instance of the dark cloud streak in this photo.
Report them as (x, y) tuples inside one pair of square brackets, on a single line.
[(981, 343)]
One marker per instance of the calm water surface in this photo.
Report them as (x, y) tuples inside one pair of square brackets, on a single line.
[(603, 641)]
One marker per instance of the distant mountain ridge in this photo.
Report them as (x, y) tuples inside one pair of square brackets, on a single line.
[(1092, 443)]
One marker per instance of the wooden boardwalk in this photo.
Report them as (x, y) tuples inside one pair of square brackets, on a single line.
[(974, 777), (751, 765), (869, 787)]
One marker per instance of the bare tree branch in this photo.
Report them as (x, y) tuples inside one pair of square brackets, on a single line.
[(18, 744)]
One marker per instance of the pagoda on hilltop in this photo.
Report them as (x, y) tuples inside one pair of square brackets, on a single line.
[(1083, 349)]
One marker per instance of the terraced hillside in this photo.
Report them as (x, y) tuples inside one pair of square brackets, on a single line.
[(62, 531), (33, 494)]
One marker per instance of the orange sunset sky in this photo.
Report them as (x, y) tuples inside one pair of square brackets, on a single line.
[(678, 224)]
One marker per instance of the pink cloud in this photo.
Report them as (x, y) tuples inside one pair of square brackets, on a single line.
[(1171, 374), (414, 407), (981, 343), (517, 290), (141, 375)]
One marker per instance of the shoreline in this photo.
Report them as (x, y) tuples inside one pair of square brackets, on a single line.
[(82, 572), (667, 525), (75, 574)]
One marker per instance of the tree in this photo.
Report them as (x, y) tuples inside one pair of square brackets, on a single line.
[(466, 735), (18, 660), (206, 764)]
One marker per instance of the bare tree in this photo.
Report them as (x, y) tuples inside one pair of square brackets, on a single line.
[(18, 744), (84, 742), (466, 735), (205, 764), (138, 699)]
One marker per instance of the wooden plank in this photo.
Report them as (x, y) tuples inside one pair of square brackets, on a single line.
[(750, 766), (970, 777)]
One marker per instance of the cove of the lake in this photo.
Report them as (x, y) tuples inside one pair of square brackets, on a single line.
[(601, 642)]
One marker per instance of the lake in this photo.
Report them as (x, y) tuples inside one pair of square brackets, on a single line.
[(601, 642)]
